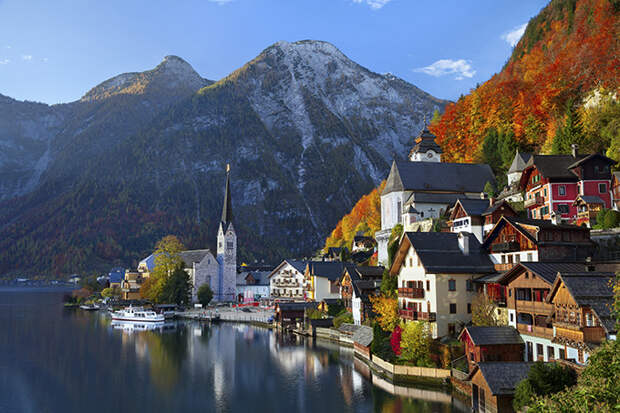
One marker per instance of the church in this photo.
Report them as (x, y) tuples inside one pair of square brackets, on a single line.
[(424, 187), (220, 271)]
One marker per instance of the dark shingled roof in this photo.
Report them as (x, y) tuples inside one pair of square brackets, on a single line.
[(555, 166), (438, 176), (594, 290), (331, 270), (440, 253), (544, 224), (363, 336), (591, 156), (546, 270), (474, 207), (589, 199), (370, 271), (192, 256), (496, 205), (298, 306), (425, 141), (489, 336), (503, 377)]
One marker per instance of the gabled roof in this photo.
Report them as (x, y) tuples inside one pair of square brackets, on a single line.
[(554, 166), (590, 157), (497, 204), (299, 265), (437, 176), (502, 377), (589, 199), (261, 277), (332, 270), (193, 256), (545, 270), (425, 141), (519, 162), (439, 252), (472, 207), (590, 289), (489, 336)]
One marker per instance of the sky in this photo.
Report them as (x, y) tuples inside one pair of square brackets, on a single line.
[(55, 51)]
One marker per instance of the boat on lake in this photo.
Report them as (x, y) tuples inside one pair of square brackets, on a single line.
[(89, 307), (137, 314)]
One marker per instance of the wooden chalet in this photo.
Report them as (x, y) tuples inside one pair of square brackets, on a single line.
[(582, 306), (514, 240), (588, 207), (501, 343), (357, 285), (493, 385), (292, 313)]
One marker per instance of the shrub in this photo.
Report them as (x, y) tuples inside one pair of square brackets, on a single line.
[(543, 379), (205, 295), (343, 318)]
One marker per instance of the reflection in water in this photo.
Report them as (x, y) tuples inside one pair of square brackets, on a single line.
[(56, 360)]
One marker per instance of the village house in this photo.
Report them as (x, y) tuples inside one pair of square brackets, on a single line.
[(130, 285), (286, 281), (552, 183), (116, 276), (489, 286), (528, 285), (514, 240), (501, 343), (436, 272), (424, 187), (357, 285), (582, 305), (478, 216), (322, 279), (588, 207), (493, 385), (252, 286)]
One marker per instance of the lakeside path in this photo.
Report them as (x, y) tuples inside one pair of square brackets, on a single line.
[(253, 315)]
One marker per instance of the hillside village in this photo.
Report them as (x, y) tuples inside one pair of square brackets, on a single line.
[(496, 282)]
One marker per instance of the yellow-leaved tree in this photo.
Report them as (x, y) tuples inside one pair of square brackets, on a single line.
[(386, 309), (167, 258)]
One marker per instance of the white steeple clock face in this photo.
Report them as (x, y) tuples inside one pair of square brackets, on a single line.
[(429, 154)]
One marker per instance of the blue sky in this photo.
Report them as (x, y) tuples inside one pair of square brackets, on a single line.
[(55, 51)]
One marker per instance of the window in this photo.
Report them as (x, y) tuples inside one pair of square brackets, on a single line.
[(602, 188), (451, 329), (452, 285), (509, 293), (550, 353), (428, 285), (469, 285), (540, 351), (503, 259), (562, 208), (545, 192), (517, 258), (562, 354), (512, 317), (562, 190), (468, 308), (452, 308), (411, 262), (529, 257)]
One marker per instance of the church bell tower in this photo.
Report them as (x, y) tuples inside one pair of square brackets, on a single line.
[(226, 249)]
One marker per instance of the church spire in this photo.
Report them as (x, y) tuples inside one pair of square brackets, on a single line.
[(227, 208)]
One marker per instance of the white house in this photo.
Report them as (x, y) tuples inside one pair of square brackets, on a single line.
[(252, 285), (423, 187), (287, 280), (323, 279), (435, 273)]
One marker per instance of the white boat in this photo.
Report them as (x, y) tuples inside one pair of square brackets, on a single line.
[(89, 307), (137, 314)]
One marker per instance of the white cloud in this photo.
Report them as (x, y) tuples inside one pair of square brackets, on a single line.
[(461, 68), (374, 4), (512, 37), (26, 57), (5, 62)]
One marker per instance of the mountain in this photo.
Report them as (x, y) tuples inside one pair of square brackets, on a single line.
[(558, 87), (306, 131)]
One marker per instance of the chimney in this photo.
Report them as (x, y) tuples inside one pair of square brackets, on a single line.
[(464, 242), (574, 148)]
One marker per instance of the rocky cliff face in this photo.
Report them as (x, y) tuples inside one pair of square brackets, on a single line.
[(307, 131)]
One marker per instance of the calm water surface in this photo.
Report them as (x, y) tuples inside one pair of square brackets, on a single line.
[(57, 360)]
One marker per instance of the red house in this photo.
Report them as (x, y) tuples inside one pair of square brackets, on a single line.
[(501, 343), (553, 182)]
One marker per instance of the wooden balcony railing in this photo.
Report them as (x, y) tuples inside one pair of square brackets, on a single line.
[(538, 307), (417, 315), (533, 201), (533, 330), (580, 334), (411, 292)]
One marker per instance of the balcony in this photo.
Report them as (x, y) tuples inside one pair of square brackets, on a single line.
[(509, 246), (417, 315), (533, 201), (533, 330), (574, 332), (538, 307), (411, 292)]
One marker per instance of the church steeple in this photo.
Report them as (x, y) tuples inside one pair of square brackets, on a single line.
[(425, 149), (227, 208)]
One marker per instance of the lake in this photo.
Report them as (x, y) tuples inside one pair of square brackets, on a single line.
[(58, 360)]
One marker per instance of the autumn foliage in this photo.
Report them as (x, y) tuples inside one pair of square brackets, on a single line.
[(568, 53), (365, 217)]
